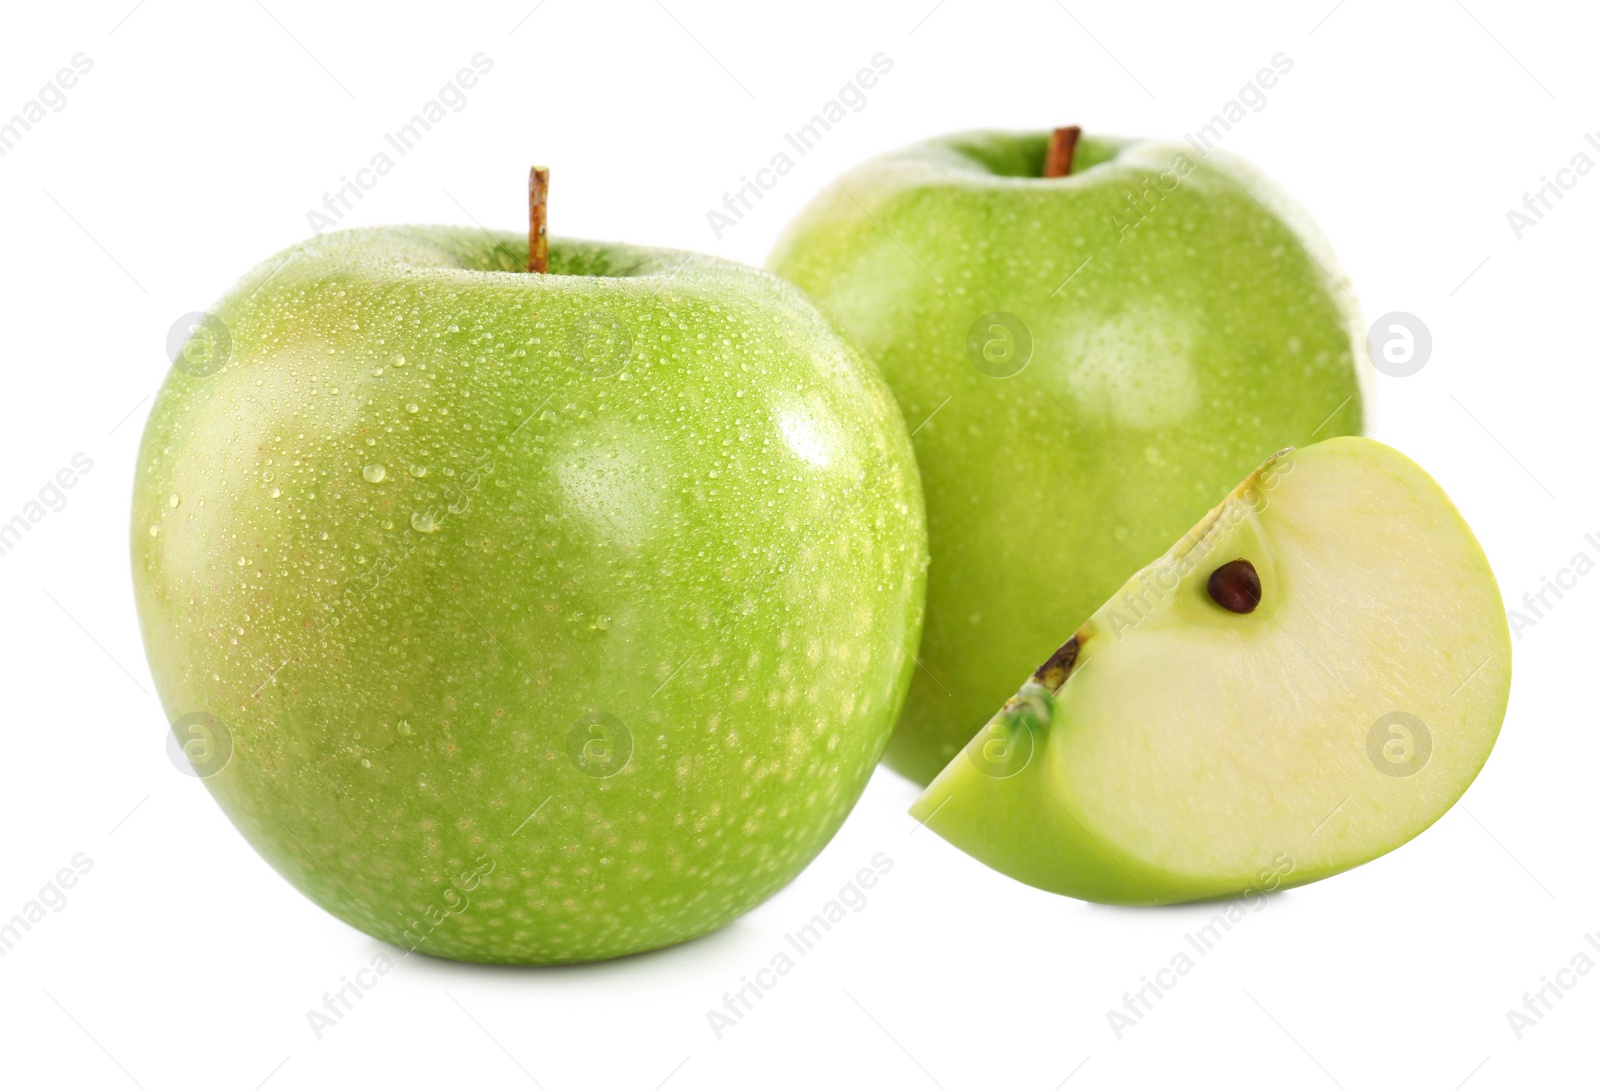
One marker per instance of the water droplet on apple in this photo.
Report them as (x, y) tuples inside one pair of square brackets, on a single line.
[(399, 360), (419, 471), (375, 472), (411, 406), (154, 530), (376, 371), (275, 493), (173, 501), (425, 521)]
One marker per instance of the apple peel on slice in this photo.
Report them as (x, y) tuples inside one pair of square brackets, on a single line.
[(1206, 733)]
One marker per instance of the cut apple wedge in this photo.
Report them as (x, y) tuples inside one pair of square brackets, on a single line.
[(1307, 680)]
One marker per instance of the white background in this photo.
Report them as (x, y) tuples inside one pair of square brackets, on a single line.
[(195, 147)]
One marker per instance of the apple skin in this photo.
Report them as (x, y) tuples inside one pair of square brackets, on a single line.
[(1170, 346), (602, 672)]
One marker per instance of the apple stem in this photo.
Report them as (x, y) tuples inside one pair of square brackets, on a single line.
[(1058, 156), (538, 202)]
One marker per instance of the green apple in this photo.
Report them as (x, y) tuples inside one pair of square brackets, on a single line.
[(1086, 363), (1308, 679), (543, 618)]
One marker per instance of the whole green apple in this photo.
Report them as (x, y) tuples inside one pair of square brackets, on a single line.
[(527, 617), (1085, 361)]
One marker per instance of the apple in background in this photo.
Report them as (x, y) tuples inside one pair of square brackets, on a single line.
[(543, 618), (1085, 361), (1308, 679)]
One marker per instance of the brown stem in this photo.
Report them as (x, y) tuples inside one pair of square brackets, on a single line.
[(1058, 156), (538, 201)]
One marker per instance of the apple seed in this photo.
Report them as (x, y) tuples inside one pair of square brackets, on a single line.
[(1053, 674), (1235, 586)]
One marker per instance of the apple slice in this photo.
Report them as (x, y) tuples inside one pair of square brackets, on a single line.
[(1308, 679)]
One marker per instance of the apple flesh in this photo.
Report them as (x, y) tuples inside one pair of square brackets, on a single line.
[(1183, 316), (1195, 739), (548, 617)]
